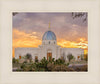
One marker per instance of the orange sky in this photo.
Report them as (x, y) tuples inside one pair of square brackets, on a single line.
[(22, 39), (28, 29)]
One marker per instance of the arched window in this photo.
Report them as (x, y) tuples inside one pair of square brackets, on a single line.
[(49, 42), (36, 58), (19, 56)]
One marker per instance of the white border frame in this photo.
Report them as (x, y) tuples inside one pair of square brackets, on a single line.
[(9, 77)]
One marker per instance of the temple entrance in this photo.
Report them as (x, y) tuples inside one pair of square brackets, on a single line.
[(49, 55)]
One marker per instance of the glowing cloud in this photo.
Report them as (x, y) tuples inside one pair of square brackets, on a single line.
[(28, 29)]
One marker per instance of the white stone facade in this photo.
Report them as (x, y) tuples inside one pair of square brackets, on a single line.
[(49, 46)]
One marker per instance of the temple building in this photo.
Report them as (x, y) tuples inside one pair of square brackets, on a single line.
[(49, 49)]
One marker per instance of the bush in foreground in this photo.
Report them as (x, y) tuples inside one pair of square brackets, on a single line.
[(45, 65)]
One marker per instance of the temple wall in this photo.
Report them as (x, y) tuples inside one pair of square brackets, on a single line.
[(74, 51)]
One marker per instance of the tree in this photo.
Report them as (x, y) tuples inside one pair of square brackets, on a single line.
[(14, 13), (81, 14), (29, 56), (14, 60), (70, 57)]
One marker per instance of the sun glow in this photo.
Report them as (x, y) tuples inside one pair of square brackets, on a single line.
[(22, 39)]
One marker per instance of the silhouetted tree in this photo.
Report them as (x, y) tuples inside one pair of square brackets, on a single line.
[(70, 57), (14, 13), (80, 14)]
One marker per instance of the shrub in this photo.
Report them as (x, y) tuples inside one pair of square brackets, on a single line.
[(36, 60), (67, 64), (86, 57), (59, 61), (44, 63), (50, 66), (14, 60), (61, 67), (22, 66), (17, 60), (41, 69), (83, 68), (25, 62), (53, 59)]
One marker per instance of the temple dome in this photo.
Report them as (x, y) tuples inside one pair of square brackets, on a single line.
[(49, 35)]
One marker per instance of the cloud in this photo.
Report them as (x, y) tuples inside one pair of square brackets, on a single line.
[(28, 29), (73, 44), (22, 39), (39, 21)]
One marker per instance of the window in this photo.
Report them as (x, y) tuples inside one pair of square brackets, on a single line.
[(19, 57), (49, 42), (36, 58), (49, 56)]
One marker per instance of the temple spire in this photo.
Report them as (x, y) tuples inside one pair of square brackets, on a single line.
[(49, 25)]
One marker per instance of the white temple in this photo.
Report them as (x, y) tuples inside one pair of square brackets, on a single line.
[(49, 48)]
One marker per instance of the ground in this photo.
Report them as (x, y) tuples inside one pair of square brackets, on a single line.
[(51, 65)]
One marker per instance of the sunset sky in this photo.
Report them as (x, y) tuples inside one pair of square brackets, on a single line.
[(28, 29)]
